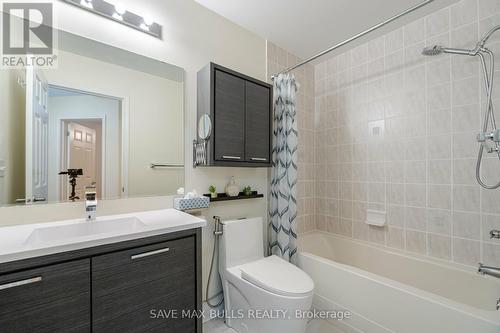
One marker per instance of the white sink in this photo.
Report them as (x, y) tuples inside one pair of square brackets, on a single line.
[(24, 241), (84, 229)]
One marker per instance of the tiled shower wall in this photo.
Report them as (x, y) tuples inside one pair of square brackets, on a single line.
[(278, 59), (395, 131)]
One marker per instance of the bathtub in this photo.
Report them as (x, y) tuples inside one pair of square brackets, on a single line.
[(391, 291)]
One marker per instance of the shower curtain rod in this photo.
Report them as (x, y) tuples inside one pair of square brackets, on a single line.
[(361, 34)]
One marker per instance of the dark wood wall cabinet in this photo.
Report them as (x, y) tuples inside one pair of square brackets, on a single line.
[(135, 286), (240, 110)]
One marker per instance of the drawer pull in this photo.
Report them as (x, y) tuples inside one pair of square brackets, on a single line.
[(231, 157), (151, 253), (258, 159), (20, 283)]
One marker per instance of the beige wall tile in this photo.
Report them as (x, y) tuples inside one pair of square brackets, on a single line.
[(419, 166), (416, 242), (439, 246), (466, 251)]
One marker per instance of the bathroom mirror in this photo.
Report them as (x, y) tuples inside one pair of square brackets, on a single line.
[(116, 116), (204, 127)]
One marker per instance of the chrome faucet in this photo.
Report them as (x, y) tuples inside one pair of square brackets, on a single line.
[(90, 203), (488, 270), (495, 234)]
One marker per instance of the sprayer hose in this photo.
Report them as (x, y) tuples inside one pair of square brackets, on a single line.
[(216, 245)]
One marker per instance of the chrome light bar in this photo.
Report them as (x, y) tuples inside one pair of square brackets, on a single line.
[(119, 14)]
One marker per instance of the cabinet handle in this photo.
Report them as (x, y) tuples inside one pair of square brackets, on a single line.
[(258, 159), (20, 283), (231, 157), (151, 253)]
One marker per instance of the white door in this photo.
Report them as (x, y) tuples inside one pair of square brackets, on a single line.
[(82, 155), (37, 120)]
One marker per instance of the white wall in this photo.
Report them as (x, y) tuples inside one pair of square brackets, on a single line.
[(193, 36)]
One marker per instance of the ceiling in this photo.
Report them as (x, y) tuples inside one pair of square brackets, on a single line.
[(307, 27)]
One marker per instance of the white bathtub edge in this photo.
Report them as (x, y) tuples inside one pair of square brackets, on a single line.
[(423, 296), (323, 303)]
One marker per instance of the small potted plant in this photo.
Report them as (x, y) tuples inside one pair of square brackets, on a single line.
[(247, 190), (213, 191)]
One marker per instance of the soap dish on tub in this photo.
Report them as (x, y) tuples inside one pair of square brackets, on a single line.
[(375, 217)]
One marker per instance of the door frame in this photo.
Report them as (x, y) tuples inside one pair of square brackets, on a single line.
[(65, 143), (125, 135), (31, 73), (29, 138)]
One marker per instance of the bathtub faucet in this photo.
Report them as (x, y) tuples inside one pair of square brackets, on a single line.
[(495, 234), (488, 270)]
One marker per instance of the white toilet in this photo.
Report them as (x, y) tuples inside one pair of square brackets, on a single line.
[(261, 295)]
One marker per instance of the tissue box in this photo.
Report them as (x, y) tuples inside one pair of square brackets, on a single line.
[(192, 203)]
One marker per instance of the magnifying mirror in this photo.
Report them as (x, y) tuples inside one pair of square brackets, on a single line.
[(204, 127)]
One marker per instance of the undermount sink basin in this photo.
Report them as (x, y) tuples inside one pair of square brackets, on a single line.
[(84, 229)]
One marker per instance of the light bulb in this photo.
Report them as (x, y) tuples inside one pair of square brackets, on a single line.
[(87, 3), (120, 10), (148, 21)]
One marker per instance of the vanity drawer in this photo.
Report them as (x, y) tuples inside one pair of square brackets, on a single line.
[(128, 285), (51, 299)]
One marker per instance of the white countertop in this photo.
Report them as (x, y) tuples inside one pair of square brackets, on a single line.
[(15, 241)]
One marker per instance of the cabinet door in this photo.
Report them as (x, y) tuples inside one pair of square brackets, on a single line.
[(50, 299), (257, 123), (229, 113), (145, 289)]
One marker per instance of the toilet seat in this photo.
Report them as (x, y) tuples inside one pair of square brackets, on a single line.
[(277, 276)]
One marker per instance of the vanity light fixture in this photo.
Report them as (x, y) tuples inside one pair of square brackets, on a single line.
[(120, 14)]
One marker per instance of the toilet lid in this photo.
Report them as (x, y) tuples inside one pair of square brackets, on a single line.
[(277, 276)]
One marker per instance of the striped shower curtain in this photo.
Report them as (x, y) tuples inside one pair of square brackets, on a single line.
[(283, 197)]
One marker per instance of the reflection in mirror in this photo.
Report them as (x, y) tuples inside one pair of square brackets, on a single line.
[(204, 127), (99, 118)]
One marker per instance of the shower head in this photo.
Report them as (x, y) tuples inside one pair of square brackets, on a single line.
[(432, 50), (437, 49)]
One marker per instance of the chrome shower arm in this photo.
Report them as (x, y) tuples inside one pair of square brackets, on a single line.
[(452, 50)]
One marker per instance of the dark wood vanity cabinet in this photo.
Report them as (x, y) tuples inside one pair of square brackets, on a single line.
[(130, 287), (257, 123), (54, 298), (240, 109), (229, 117), (143, 285)]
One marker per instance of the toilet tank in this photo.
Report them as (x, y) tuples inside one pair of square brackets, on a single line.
[(242, 241)]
